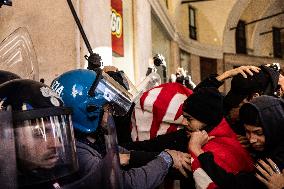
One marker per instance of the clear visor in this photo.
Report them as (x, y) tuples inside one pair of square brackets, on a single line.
[(116, 95), (45, 149)]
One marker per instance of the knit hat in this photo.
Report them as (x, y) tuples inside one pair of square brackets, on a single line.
[(205, 105), (264, 82)]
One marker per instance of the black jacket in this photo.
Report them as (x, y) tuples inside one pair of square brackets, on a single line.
[(177, 140), (227, 180)]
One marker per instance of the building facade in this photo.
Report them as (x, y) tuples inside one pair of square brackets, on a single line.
[(202, 37)]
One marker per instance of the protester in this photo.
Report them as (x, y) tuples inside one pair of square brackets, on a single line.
[(204, 113), (263, 121), (248, 82)]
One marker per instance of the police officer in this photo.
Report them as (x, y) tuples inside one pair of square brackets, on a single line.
[(44, 141), (93, 97)]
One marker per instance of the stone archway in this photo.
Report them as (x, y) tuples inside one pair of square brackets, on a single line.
[(232, 21), (261, 44)]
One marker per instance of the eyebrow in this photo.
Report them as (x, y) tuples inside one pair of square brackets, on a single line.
[(254, 130)]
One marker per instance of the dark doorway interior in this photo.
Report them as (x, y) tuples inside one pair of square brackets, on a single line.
[(207, 66)]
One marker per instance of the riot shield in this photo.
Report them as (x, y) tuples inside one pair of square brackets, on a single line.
[(8, 174), (17, 55), (152, 80), (107, 173), (111, 173)]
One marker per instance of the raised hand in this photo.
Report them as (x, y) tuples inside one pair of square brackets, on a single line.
[(197, 140), (244, 70)]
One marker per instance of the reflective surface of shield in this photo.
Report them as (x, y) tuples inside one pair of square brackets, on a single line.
[(8, 178), (17, 55), (111, 173)]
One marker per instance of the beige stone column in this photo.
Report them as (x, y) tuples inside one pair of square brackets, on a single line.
[(220, 70), (142, 38), (195, 68), (96, 20), (175, 58)]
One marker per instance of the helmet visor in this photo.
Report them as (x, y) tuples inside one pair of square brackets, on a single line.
[(115, 94), (45, 149)]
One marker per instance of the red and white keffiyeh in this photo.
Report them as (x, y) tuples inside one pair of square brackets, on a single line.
[(159, 111), (228, 154)]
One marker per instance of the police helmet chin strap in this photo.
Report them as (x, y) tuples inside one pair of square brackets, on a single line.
[(91, 92)]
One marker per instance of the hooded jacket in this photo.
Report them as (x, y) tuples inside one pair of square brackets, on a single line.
[(271, 115)]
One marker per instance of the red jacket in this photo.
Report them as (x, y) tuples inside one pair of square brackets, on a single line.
[(228, 154)]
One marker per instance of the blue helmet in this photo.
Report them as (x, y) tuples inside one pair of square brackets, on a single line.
[(86, 92)]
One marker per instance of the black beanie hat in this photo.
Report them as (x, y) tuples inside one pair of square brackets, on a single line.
[(205, 105)]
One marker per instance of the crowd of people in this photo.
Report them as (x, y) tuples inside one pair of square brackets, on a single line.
[(83, 131)]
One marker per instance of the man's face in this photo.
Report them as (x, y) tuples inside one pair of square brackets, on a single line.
[(37, 146), (192, 123), (255, 136)]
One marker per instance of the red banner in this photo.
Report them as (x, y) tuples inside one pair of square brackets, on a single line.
[(116, 27)]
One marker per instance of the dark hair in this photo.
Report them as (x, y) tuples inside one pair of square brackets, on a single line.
[(249, 115), (263, 82)]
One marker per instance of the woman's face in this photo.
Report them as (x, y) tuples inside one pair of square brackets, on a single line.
[(255, 136)]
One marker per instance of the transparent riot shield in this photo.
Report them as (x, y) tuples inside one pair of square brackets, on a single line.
[(152, 80), (8, 174), (111, 173), (17, 55)]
